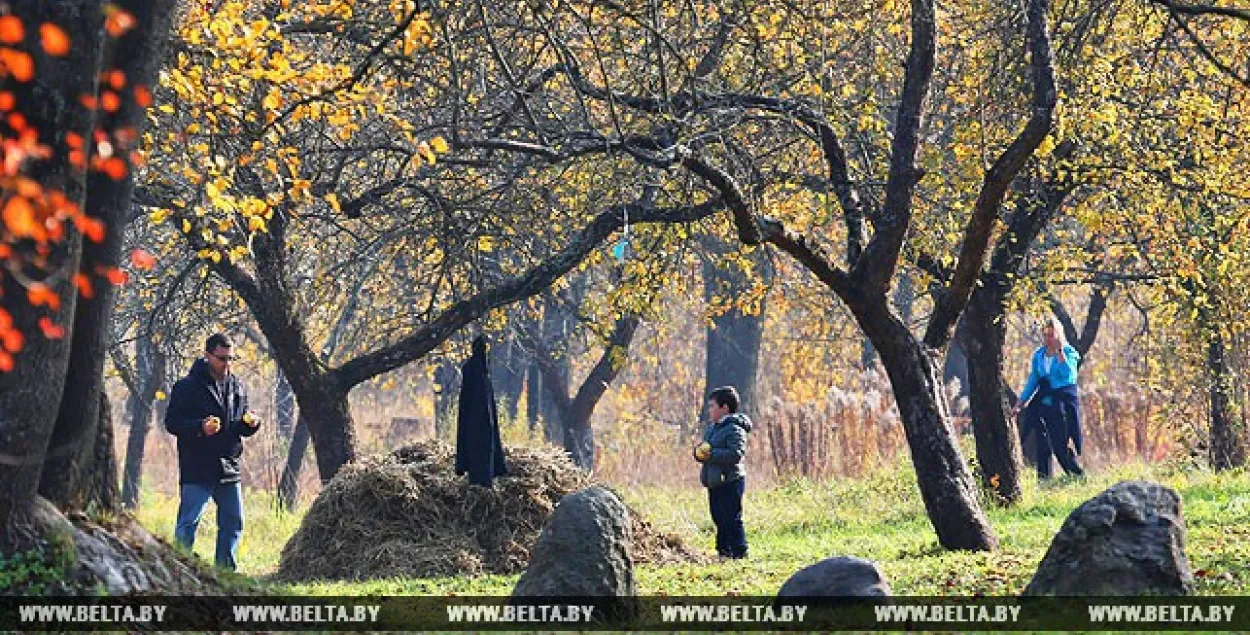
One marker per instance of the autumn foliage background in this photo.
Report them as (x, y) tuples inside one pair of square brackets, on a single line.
[(327, 169)]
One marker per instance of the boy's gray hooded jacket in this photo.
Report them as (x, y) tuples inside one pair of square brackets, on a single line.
[(728, 439)]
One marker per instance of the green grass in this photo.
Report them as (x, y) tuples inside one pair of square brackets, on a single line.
[(798, 523)]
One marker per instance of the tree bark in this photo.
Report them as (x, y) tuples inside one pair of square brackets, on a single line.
[(574, 413), (31, 394), (150, 377), (733, 338), (68, 476), (288, 485), (284, 407), (997, 440), (1227, 444), (946, 485)]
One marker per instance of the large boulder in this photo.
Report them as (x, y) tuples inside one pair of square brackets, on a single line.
[(1128, 540), (843, 576), (583, 551)]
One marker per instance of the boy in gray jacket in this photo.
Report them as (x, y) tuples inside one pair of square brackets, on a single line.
[(723, 474)]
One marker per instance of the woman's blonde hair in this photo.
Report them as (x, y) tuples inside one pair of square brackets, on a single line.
[(1053, 322)]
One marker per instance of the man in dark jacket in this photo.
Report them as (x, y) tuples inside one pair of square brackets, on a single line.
[(208, 413), (723, 473), (479, 450)]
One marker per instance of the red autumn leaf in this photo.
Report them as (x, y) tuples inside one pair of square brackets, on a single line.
[(88, 101), (142, 259), (118, 21), (20, 64), (7, 101), (40, 295), (12, 340), (6, 362), (83, 282), (29, 188), (51, 330), (92, 228), (11, 31), (115, 168), (143, 96), (19, 217), (115, 276), (116, 79), (54, 40), (110, 101), (17, 121), (6, 320), (73, 140)]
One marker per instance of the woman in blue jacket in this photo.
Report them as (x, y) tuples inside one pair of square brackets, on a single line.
[(1051, 390)]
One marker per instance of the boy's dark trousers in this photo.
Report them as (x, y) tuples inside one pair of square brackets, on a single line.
[(726, 504)]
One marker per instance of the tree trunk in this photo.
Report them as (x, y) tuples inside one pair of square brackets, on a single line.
[(534, 394), (284, 406), (31, 393), (946, 486), (733, 338), (508, 373), (447, 378), (150, 377), (67, 476), (288, 486), (983, 334), (1227, 446)]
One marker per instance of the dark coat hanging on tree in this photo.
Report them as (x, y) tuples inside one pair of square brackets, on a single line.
[(479, 451)]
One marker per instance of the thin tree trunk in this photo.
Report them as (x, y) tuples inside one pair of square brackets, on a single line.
[(288, 485), (1227, 447), (284, 406), (150, 377)]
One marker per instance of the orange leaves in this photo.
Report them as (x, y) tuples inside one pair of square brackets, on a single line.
[(83, 283), (18, 64), (54, 40), (115, 276), (115, 78), (51, 330), (40, 295), (142, 260), (7, 101), (114, 167), (11, 341), (19, 218), (109, 101), (92, 228), (143, 96), (11, 30), (117, 21)]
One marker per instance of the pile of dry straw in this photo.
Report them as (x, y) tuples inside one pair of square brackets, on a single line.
[(407, 514)]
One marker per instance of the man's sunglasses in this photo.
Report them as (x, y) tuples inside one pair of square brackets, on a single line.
[(225, 358)]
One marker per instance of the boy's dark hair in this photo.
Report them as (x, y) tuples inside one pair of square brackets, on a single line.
[(726, 396), (217, 340)]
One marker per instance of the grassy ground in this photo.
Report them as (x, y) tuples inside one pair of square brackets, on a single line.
[(798, 523)]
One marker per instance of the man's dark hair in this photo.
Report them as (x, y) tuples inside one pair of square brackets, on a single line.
[(217, 340), (726, 396)]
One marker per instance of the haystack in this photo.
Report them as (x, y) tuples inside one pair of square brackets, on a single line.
[(407, 514)]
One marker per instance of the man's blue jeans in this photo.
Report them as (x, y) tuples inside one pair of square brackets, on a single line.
[(229, 499)]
